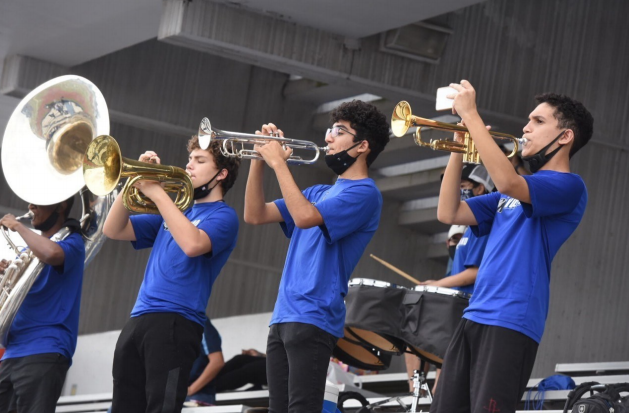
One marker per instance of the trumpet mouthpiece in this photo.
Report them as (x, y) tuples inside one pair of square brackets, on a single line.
[(28, 215)]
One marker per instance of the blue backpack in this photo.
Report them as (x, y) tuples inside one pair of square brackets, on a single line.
[(555, 382)]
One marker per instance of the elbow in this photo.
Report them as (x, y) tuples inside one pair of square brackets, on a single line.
[(109, 231), (191, 252), (444, 217), (507, 186), (251, 219), (53, 257), (307, 221), (194, 250)]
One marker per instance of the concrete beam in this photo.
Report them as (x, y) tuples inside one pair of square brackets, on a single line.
[(312, 91), (21, 74), (7, 106), (282, 46), (411, 186), (421, 215)]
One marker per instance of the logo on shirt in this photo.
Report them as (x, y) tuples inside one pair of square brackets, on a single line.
[(196, 223), (462, 242), (508, 203)]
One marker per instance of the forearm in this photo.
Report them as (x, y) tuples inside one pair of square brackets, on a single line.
[(189, 238), (450, 193), (462, 279), (209, 373), (255, 205), (47, 251), (303, 212), (117, 220), (498, 165)]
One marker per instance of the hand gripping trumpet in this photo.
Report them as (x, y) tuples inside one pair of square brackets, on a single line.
[(235, 144), (402, 119)]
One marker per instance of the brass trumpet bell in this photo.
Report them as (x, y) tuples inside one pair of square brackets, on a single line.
[(403, 119), (104, 167)]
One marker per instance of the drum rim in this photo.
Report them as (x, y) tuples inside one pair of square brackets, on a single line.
[(442, 290), (375, 283)]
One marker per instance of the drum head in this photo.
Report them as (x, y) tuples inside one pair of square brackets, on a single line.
[(382, 342), (361, 357), (426, 356)]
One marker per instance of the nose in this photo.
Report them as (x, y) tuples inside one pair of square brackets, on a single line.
[(328, 138), (527, 128), (31, 207)]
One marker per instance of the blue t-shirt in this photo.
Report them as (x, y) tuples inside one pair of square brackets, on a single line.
[(513, 282), (469, 253), (210, 343), (48, 319), (174, 282), (321, 259)]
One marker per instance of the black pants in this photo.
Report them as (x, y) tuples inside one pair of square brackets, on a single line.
[(152, 362), (240, 370), (485, 370), (32, 384), (297, 364)]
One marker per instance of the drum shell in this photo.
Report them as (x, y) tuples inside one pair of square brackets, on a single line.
[(375, 309), (431, 320)]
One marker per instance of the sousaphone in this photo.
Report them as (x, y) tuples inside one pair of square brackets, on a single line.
[(42, 157)]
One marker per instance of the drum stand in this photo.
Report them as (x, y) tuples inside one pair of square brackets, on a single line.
[(420, 386)]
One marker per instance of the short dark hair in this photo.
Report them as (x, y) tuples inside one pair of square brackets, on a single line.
[(231, 164), (570, 114), (368, 122)]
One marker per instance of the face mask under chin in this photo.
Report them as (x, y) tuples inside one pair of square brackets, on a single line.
[(204, 190), (538, 160), (48, 222), (341, 161)]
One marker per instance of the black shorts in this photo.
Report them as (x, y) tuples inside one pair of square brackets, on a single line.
[(32, 384), (485, 370)]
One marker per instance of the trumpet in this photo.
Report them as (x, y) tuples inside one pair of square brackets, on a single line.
[(402, 119), (104, 167), (234, 144)]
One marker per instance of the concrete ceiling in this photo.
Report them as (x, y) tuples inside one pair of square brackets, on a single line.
[(352, 18), (69, 32)]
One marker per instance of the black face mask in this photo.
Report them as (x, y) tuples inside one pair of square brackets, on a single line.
[(204, 190), (467, 194), (452, 251), (340, 162), (48, 223), (540, 158)]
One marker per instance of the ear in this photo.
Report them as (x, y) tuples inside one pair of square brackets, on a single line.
[(363, 147), (567, 137), (479, 190), (222, 175)]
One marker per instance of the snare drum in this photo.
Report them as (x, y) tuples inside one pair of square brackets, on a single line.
[(375, 314), (432, 315), (351, 352)]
